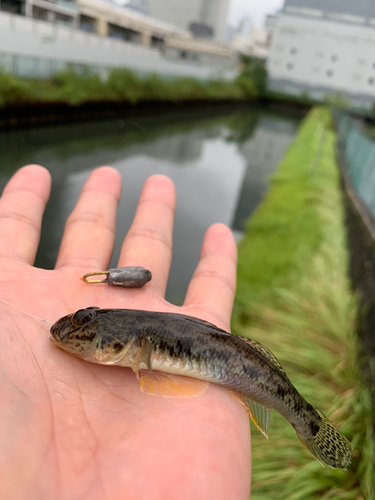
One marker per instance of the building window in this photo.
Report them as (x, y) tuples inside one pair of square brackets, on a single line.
[(293, 51), (371, 81), (334, 58), (41, 14), (290, 65), (13, 6), (157, 42), (63, 19), (87, 23), (329, 73), (125, 34)]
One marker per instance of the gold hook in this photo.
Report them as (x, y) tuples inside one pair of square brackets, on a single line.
[(84, 278)]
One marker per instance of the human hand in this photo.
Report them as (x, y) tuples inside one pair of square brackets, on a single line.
[(74, 430)]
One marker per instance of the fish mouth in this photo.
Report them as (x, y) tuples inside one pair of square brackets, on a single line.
[(61, 329)]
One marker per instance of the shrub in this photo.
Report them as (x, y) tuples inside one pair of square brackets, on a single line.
[(255, 70), (13, 90)]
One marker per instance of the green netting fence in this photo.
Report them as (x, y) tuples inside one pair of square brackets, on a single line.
[(358, 149)]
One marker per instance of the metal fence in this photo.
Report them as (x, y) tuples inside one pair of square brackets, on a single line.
[(358, 149)]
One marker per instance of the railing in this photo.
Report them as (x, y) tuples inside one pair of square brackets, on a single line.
[(66, 4), (358, 150)]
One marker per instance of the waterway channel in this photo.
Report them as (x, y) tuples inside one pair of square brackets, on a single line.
[(220, 162)]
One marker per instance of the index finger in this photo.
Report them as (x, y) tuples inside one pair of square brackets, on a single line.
[(213, 285), (89, 233), (22, 206)]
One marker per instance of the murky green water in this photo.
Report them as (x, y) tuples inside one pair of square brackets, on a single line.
[(220, 164)]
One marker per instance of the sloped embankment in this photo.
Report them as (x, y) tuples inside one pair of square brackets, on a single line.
[(295, 297)]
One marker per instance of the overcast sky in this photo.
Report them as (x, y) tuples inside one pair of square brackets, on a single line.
[(256, 9)]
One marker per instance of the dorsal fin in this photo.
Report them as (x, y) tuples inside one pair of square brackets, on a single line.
[(257, 346), (202, 322)]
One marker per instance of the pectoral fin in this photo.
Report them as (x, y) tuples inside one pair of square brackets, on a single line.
[(143, 357), (167, 385), (259, 414)]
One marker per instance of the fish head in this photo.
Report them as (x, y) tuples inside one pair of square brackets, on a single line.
[(77, 333), (91, 334)]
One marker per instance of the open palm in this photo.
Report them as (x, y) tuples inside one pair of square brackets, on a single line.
[(74, 430)]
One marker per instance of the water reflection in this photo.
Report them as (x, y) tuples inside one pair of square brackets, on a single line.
[(263, 151), (219, 164)]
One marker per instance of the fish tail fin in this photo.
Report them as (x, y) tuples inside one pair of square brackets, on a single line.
[(329, 446)]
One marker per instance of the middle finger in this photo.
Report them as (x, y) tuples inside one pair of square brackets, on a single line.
[(149, 240)]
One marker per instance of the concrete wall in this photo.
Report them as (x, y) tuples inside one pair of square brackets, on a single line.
[(29, 47), (213, 60)]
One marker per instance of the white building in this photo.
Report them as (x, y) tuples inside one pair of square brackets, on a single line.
[(38, 38), (325, 47), (209, 16), (38, 49), (240, 37), (253, 41)]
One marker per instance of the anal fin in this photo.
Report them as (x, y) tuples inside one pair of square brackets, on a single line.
[(259, 414), (170, 386)]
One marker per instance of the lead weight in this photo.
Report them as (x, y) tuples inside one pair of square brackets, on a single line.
[(128, 277)]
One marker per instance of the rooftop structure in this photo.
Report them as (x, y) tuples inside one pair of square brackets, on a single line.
[(349, 11)]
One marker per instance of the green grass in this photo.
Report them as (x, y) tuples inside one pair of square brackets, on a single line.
[(121, 85), (295, 297)]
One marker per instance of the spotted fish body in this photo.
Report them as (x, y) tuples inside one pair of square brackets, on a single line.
[(162, 347)]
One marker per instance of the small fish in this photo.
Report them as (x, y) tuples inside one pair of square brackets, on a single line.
[(160, 347)]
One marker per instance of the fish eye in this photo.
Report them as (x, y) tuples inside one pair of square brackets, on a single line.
[(83, 317)]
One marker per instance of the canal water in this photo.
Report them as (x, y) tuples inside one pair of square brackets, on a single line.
[(219, 161)]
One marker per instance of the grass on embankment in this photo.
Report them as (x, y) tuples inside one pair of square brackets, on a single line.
[(295, 297), (121, 85)]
